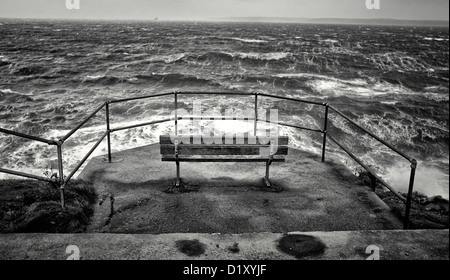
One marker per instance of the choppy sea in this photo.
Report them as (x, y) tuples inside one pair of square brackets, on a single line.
[(394, 81)]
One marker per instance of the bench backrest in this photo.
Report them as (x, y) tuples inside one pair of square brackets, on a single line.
[(191, 145)]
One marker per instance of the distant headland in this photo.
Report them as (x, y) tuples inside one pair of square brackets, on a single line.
[(375, 21)]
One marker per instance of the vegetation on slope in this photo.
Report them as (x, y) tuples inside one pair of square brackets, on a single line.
[(32, 206)]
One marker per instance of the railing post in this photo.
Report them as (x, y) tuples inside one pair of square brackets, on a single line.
[(176, 114), (256, 113), (325, 128), (410, 192), (108, 129), (61, 173)]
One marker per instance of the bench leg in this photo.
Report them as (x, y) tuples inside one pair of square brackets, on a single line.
[(178, 182), (267, 169), (269, 186), (179, 185), (266, 179)]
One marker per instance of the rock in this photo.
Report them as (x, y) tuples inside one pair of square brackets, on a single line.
[(433, 206), (439, 204), (32, 207)]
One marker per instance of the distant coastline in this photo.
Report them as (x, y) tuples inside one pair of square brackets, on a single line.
[(375, 21), (345, 21)]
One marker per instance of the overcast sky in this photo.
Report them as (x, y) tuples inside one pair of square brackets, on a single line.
[(207, 9)]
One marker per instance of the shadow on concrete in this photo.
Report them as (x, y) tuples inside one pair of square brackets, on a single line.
[(231, 197)]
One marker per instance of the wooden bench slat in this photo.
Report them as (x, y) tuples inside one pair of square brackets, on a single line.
[(221, 150), (196, 146), (199, 159), (205, 140)]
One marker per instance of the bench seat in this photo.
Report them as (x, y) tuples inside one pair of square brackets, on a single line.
[(246, 148), (220, 159)]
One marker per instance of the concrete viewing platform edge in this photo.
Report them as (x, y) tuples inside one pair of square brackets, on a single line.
[(322, 212)]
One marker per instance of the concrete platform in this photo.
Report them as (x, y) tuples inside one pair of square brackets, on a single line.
[(343, 245), (231, 197), (322, 213)]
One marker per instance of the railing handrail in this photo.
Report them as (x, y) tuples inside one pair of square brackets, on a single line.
[(81, 123), (138, 98), (26, 136), (292, 99), (108, 131), (410, 159), (235, 93), (22, 174), (85, 158), (367, 168)]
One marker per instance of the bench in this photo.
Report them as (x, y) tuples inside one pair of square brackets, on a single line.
[(244, 148)]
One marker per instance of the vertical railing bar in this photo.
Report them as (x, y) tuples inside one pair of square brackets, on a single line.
[(108, 129), (176, 114), (177, 183), (325, 128), (61, 174), (256, 113), (410, 193)]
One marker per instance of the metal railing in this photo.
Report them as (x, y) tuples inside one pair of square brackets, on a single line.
[(62, 180)]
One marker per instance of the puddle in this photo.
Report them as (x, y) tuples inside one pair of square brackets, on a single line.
[(301, 246), (191, 248)]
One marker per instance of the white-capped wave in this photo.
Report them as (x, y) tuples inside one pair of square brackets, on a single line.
[(7, 91), (389, 102), (439, 97), (249, 40), (398, 130), (400, 61), (95, 77), (264, 56), (330, 41), (434, 39), (392, 131), (330, 86), (170, 58), (300, 75), (302, 141), (429, 180)]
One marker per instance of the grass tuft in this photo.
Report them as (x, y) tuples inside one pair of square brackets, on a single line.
[(34, 207)]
